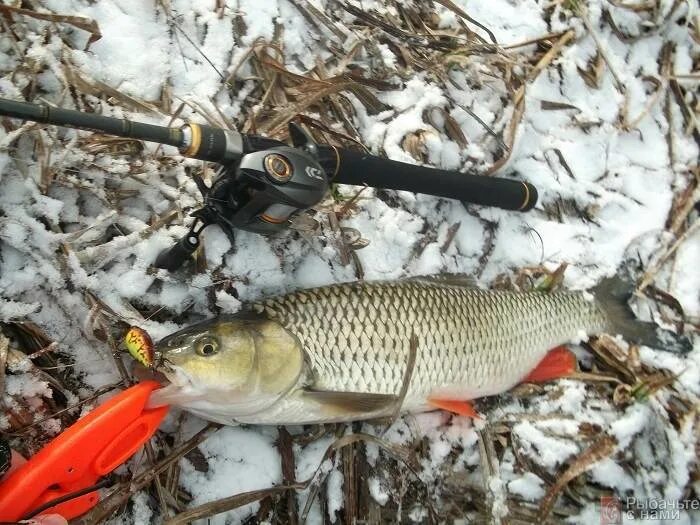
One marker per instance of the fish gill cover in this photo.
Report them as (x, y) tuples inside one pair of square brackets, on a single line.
[(593, 102)]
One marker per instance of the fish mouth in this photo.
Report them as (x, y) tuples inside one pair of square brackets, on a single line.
[(164, 367), (177, 387), (174, 375), (144, 373), (163, 371)]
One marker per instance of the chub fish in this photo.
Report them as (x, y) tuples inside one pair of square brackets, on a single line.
[(343, 352)]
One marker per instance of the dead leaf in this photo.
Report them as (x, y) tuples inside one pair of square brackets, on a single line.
[(81, 22), (601, 449)]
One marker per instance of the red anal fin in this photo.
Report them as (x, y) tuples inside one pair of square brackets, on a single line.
[(462, 408), (559, 362)]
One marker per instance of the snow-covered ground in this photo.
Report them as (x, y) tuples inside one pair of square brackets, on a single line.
[(602, 137)]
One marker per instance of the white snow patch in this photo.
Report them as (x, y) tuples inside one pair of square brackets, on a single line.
[(239, 461), (527, 486), (377, 491)]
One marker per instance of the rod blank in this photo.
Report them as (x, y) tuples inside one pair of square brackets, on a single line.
[(77, 119)]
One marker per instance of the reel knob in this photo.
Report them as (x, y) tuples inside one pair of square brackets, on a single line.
[(278, 168)]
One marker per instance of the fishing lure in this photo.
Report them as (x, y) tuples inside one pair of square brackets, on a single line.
[(140, 346)]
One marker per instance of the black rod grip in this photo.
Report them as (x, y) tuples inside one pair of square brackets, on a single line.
[(352, 167), (78, 119)]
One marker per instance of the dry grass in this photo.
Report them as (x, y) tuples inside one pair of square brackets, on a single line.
[(319, 100)]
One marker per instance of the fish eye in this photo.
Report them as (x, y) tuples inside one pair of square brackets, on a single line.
[(207, 346)]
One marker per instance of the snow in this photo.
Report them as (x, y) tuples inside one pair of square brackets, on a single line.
[(239, 460), (630, 424), (610, 474), (334, 494), (309, 465), (528, 486), (621, 180), (378, 493), (550, 452), (687, 279), (687, 369)]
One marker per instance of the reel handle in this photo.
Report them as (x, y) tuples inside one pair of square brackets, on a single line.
[(172, 258), (358, 168)]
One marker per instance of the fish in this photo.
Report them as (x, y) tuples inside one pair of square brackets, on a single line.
[(367, 350)]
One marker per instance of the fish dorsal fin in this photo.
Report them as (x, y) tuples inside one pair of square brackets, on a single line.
[(352, 402), (447, 279)]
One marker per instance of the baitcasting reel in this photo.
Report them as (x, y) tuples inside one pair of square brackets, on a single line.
[(258, 193), (261, 183)]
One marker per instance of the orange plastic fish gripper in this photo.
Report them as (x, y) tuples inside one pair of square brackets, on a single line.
[(91, 448)]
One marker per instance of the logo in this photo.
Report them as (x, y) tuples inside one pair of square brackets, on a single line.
[(314, 173), (610, 511)]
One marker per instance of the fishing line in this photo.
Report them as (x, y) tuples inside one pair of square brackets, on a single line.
[(177, 26), (207, 287), (530, 229), (162, 307)]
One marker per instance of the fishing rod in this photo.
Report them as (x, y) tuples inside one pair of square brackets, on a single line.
[(261, 182)]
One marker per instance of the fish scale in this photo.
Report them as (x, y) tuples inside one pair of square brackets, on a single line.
[(357, 336)]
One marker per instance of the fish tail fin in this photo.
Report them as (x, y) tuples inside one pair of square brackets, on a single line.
[(613, 294)]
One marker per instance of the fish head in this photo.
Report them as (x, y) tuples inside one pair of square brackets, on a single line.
[(234, 365)]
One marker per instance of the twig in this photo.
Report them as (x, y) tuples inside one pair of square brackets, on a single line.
[(489, 472), (601, 449), (285, 446), (80, 403), (67, 497), (4, 348), (81, 22), (349, 458), (230, 503), (348, 205), (550, 55), (650, 274), (449, 238), (549, 36), (456, 9), (117, 498), (160, 490), (204, 56), (486, 127), (589, 27), (519, 97), (397, 453)]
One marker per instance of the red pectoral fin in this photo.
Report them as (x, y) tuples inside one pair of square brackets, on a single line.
[(559, 362), (463, 408)]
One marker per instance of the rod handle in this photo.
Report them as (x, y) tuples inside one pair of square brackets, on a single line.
[(358, 168)]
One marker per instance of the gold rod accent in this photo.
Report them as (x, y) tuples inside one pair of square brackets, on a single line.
[(196, 140), (527, 196)]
